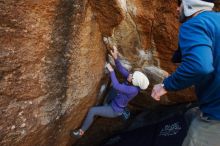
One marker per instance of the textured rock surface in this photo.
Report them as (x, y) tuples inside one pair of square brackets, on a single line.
[(52, 57), (51, 61)]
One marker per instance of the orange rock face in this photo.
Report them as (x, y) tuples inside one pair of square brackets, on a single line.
[(51, 65), (52, 57)]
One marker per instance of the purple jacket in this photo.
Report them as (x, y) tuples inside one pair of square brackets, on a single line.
[(125, 91)]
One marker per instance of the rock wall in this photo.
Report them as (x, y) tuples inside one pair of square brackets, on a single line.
[(51, 66), (52, 56)]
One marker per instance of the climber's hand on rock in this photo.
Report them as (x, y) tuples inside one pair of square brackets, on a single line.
[(114, 52), (158, 91), (109, 67)]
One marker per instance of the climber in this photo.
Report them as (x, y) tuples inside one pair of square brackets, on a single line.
[(125, 92), (199, 44)]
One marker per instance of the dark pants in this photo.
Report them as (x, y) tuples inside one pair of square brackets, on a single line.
[(103, 111)]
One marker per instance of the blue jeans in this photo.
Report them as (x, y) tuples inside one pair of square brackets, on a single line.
[(103, 111)]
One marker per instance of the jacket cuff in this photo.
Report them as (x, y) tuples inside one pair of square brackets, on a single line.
[(165, 85)]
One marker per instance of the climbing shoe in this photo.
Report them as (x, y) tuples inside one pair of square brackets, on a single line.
[(76, 133)]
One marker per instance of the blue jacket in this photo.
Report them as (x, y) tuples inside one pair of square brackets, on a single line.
[(125, 91), (199, 40)]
